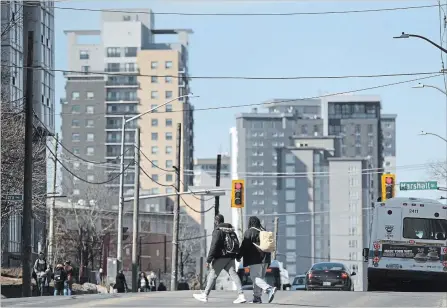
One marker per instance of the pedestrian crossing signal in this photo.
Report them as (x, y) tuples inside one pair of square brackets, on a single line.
[(388, 186), (237, 194)]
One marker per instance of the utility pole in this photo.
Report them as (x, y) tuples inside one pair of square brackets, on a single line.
[(275, 230), (28, 173), (52, 208), (175, 224), (136, 212), (119, 244), (216, 198)]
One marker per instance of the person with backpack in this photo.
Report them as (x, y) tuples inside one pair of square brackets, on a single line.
[(224, 249), (255, 251), (59, 276), (41, 269)]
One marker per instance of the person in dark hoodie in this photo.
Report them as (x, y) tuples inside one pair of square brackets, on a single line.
[(59, 276), (258, 260), (224, 249)]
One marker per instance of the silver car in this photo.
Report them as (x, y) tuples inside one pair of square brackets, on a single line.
[(299, 283)]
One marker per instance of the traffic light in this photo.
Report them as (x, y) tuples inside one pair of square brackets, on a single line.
[(237, 193), (388, 186), (125, 236)]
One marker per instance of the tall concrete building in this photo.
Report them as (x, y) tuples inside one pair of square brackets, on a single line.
[(18, 20), (279, 154), (119, 77)]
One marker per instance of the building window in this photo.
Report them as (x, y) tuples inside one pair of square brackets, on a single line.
[(168, 64), (168, 136), (75, 137), (290, 207), (75, 123), (76, 151), (168, 94), (83, 55), (169, 108), (90, 166), (113, 52), (290, 195), (169, 177), (154, 122), (168, 79), (154, 64), (169, 164), (154, 106), (291, 244), (168, 122), (155, 177), (154, 94), (75, 109), (90, 137), (90, 95), (154, 136), (90, 178), (290, 183), (168, 149), (130, 51), (291, 232), (154, 79), (76, 192), (90, 109), (155, 163), (75, 95), (154, 149), (169, 190), (90, 123), (290, 220), (90, 151)]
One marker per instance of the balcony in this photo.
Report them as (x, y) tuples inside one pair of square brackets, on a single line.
[(130, 70), (126, 99), (122, 84)]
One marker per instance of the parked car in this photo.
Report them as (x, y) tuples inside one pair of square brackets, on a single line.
[(299, 283), (329, 276)]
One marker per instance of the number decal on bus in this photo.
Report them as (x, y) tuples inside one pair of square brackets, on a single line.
[(413, 211)]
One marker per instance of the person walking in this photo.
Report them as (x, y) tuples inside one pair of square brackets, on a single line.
[(255, 252), (42, 270), (120, 282), (68, 284), (144, 283), (224, 249), (59, 276)]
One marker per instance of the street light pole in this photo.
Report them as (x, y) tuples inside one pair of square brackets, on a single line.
[(121, 189), (423, 133), (406, 35)]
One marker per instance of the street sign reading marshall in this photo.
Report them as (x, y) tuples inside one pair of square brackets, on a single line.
[(12, 197), (429, 185)]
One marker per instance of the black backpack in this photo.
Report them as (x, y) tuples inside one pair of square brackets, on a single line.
[(58, 276), (231, 243)]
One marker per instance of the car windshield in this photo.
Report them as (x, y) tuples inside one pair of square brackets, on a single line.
[(328, 267), (298, 281)]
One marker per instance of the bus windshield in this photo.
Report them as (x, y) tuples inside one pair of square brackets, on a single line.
[(425, 228)]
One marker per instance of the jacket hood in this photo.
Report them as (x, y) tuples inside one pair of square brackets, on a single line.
[(225, 227)]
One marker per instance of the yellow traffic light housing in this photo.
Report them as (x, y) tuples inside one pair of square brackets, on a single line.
[(388, 186), (237, 193)]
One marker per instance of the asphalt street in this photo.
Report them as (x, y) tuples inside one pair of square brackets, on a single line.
[(225, 299)]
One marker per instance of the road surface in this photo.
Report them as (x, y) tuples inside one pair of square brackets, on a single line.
[(300, 299)]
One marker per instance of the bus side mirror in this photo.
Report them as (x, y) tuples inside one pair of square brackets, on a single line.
[(365, 254)]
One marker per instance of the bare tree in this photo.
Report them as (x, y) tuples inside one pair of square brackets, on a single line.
[(13, 129), (189, 246), (438, 170), (81, 227)]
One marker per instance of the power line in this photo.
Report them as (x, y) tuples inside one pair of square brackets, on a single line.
[(229, 77), (248, 14), (156, 182), (289, 100)]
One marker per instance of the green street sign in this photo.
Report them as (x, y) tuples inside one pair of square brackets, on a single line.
[(429, 185), (12, 197)]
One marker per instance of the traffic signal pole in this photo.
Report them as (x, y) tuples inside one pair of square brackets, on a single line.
[(216, 199)]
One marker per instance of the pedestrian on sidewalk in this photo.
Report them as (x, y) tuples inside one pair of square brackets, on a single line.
[(144, 283), (224, 249), (69, 281), (257, 259), (59, 276), (120, 282)]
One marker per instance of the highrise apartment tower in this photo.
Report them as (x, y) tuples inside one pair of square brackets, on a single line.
[(125, 73)]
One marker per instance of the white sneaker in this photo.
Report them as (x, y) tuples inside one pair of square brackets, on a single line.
[(240, 299), (201, 297)]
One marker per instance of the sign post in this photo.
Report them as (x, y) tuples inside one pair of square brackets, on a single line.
[(428, 185)]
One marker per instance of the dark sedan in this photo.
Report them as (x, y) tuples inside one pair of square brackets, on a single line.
[(329, 276)]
